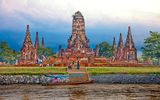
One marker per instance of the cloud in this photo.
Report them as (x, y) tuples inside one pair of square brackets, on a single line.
[(104, 18), (95, 11)]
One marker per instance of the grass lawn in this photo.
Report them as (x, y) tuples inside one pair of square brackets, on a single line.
[(31, 70), (90, 70), (124, 70)]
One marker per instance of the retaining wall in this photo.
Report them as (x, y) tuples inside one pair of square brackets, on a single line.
[(127, 78), (108, 78)]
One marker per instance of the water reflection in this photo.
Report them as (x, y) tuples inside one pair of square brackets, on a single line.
[(81, 92)]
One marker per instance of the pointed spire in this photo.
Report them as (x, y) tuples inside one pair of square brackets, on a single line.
[(43, 42), (114, 47), (28, 52), (78, 14), (27, 28), (27, 41), (36, 45), (120, 43), (129, 40), (119, 52)]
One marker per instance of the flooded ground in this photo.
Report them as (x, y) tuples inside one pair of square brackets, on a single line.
[(81, 92)]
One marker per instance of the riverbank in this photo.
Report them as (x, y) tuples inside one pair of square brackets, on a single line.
[(106, 78), (127, 78), (43, 75), (90, 70)]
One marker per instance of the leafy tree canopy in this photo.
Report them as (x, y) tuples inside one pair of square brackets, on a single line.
[(7, 55), (152, 46), (105, 49), (47, 52)]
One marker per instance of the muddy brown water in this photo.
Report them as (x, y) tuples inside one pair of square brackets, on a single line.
[(81, 92)]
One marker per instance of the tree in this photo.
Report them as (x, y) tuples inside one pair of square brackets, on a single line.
[(151, 47), (105, 49), (47, 52), (7, 55)]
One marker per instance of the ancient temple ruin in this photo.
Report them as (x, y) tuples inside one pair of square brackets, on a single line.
[(78, 49), (125, 52), (36, 45), (78, 43), (29, 53), (78, 46)]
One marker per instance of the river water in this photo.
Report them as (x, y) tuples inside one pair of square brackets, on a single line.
[(81, 92)]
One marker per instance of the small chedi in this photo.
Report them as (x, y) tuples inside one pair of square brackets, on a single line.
[(29, 53), (125, 53)]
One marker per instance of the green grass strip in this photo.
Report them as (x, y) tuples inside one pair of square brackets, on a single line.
[(31, 70), (90, 70), (124, 70)]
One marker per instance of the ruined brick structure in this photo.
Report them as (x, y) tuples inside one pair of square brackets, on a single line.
[(29, 52), (78, 45), (130, 49), (78, 49), (127, 52), (114, 48), (36, 45)]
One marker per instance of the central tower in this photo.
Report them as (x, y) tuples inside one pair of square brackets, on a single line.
[(78, 48), (78, 39), (78, 43)]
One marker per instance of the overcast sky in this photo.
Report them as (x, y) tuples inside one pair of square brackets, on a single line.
[(53, 18)]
